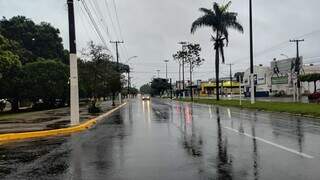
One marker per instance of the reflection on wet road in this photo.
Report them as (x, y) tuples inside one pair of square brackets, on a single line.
[(160, 139)]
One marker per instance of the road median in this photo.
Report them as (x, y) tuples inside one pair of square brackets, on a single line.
[(4, 138), (300, 109)]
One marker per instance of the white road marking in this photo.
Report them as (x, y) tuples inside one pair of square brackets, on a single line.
[(271, 143)]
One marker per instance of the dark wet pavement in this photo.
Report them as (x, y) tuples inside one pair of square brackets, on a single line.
[(171, 140)]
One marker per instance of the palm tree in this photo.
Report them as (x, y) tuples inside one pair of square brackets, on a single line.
[(220, 20)]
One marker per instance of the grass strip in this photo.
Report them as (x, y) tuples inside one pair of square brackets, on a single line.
[(302, 109)]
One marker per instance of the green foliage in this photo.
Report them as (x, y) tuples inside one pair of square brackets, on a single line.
[(46, 80), (145, 89), (98, 74), (34, 40), (310, 77), (93, 108), (159, 86), (190, 55)]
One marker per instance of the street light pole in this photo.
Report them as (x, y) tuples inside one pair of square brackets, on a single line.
[(129, 79), (251, 55), (231, 79), (166, 61), (74, 90), (158, 71), (183, 43)]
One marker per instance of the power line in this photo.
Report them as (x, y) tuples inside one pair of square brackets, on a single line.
[(82, 21), (96, 27), (118, 22), (276, 46), (111, 20), (104, 24)]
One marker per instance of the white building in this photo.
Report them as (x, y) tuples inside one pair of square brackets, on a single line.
[(263, 81), (278, 78)]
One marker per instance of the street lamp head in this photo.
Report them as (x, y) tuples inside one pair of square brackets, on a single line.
[(166, 61), (131, 58), (284, 55), (182, 42)]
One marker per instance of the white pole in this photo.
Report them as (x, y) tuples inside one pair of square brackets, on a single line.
[(74, 90), (252, 89), (240, 98), (120, 100)]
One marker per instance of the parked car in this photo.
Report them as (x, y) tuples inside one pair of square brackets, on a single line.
[(315, 97)]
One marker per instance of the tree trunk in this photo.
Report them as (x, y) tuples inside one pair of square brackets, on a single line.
[(217, 72), (113, 98), (315, 86)]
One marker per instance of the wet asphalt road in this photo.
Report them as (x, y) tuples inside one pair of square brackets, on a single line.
[(171, 140)]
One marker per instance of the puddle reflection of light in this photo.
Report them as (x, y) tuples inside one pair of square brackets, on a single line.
[(229, 113), (188, 115), (210, 112), (143, 106), (149, 111)]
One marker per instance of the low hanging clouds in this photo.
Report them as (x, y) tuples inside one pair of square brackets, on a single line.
[(151, 30)]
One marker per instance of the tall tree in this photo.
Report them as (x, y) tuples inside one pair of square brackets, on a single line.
[(37, 40), (220, 20), (10, 74), (159, 86), (145, 89), (46, 80), (194, 60)]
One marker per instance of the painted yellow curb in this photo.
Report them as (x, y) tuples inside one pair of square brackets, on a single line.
[(63, 131)]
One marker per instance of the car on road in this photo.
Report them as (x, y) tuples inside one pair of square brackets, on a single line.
[(145, 97), (315, 97)]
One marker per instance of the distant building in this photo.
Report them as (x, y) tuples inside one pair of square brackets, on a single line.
[(262, 80), (278, 78), (209, 87)]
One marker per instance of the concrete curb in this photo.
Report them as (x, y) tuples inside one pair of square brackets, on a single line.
[(4, 138)]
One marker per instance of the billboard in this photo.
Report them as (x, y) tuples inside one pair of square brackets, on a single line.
[(279, 80), (283, 67)]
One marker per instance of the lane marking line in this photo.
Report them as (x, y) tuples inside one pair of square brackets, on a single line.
[(271, 143)]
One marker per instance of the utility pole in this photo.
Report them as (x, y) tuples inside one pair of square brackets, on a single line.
[(170, 88), (158, 71), (297, 67), (118, 70), (179, 84), (117, 52), (166, 61), (191, 90), (183, 60), (231, 79), (74, 90), (251, 55), (129, 83)]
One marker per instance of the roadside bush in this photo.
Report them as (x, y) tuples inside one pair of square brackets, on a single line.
[(93, 108)]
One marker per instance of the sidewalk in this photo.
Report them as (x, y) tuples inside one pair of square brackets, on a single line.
[(45, 120)]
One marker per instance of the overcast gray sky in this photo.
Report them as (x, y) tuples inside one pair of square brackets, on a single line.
[(152, 28)]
